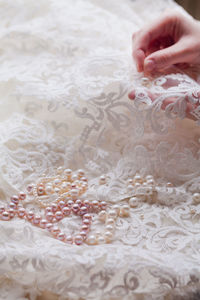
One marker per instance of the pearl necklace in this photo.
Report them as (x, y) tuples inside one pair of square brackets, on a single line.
[(60, 197)]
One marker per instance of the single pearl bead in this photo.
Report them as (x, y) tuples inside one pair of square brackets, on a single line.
[(55, 230), (36, 220), (133, 202), (61, 236), (130, 188), (150, 182), (91, 240), (73, 185), (59, 170), (22, 196), (101, 240), (75, 208), (108, 236), (137, 185), (85, 227), (70, 203), (83, 210), (74, 193), (69, 239), (86, 222), (66, 211), (196, 198), (110, 227), (78, 240), (21, 212), (95, 204), (48, 189), (54, 207), (68, 172), (57, 181), (2, 209), (86, 203), (65, 185), (11, 211), (15, 199), (149, 177), (48, 210), (5, 216), (74, 177), (61, 204), (83, 234), (112, 214), (138, 178), (79, 202), (103, 205), (30, 215), (84, 179), (87, 216), (80, 173), (126, 207), (102, 179), (40, 190), (130, 181), (43, 223), (169, 184), (102, 215), (12, 205), (116, 208), (49, 216), (110, 221), (58, 215), (49, 226), (56, 190), (192, 211)]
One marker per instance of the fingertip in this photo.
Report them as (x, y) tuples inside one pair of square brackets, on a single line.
[(139, 56), (131, 95)]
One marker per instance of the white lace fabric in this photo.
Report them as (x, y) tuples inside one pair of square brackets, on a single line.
[(66, 70)]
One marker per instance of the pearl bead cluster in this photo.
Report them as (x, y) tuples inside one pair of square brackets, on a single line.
[(141, 189)]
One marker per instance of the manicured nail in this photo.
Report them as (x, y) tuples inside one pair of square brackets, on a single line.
[(149, 65), (131, 95)]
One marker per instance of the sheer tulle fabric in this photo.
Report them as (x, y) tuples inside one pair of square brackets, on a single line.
[(66, 70)]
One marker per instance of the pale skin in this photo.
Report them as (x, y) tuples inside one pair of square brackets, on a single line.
[(173, 39)]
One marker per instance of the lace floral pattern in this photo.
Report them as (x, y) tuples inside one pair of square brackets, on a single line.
[(66, 71)]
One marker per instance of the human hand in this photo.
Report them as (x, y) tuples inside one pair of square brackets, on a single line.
[(171, 39)]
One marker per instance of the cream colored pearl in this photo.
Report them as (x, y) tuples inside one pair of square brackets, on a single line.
[(130, 188), (149, 177), (112, 213), (108, 236), (59, 170), (116, 207), (110, 221), (102, 179), (48, 189), (68, 172), (110, 227), (150, 182), (196, 198), (130, 181), (56, 190), (133, 202), (102, 215), (138, 178), (91, 240), (124, 211), (57, 181), (101, 240), (74, 177)]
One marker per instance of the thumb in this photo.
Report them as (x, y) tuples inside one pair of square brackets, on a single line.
[(161, 59)]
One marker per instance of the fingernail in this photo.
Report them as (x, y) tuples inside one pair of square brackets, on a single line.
[(149, 65), (131, 95)]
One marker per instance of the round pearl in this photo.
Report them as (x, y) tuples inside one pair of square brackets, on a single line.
[(112, 213), (196, 198), (22, 196), (66, 211), (110, 227), (5, 216), (79, 202), (74, 177), (15, 199), (83, 234), (30, 215), (48, 210), (58, 215), (43, 223), (102, 215), (11, 205), (137, 185), (102, 179), (75, 208), (61, 204), (83, 210), (70, 203), (86, 222), (87, 216), (61, 236), (11, 211), (48, 189), (150, 182), (54, 207), (36, 220), (130, 188), (101, 240), (103, 205), (40, 190), (110, 221), (21, 212), (66, 185), (78, 240), (74, 192), (108, 236), (133, 202), (69, 239), (55, 230), (149, 177), (57, 181), (138, 178), (85, 227), (91, 240), (130, 181), (68, 172), (49, 216), (56, 190), (84, 179), (59, 170), (116, 208), (80, 173), (49, 226)]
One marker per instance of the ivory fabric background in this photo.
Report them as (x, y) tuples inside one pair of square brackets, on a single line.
[(66, 70)]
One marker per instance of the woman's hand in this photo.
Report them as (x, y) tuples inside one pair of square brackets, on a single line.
[(172, 39)]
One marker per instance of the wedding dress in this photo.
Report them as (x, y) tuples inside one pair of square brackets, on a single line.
[(66, 70)]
